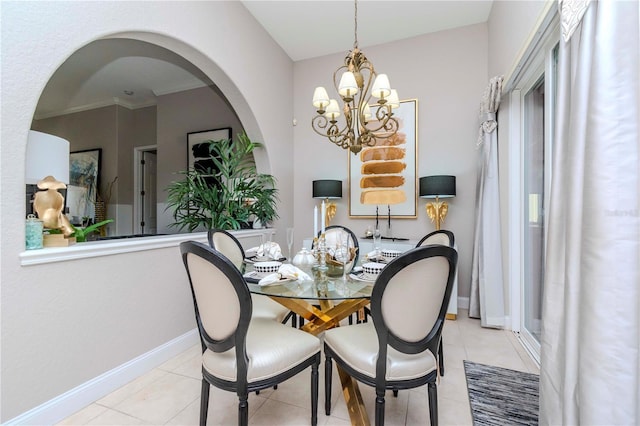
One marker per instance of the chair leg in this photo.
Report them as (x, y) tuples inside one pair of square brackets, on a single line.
[(243, 410), (379, 407), (441, 359), (327, 384), (204, 402), (433, 403), (314, 393)]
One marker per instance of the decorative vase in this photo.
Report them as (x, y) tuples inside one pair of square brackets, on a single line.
[(33, 233), (304, 260)]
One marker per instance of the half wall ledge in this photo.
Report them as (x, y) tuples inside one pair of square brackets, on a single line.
[(126, 245)]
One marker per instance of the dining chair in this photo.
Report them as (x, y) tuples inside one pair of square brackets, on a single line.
[(241, 353), (397, 349), (441, 236), (263, 306), (444, 238)]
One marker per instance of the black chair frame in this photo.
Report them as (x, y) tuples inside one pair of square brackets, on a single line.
[(238, 340), (452, 238), (430, 342), (291, 315)]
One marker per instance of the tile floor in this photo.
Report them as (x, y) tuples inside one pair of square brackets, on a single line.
[(170, 394)]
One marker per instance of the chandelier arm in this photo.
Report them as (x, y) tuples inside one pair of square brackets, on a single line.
[(336, 135), (388, 124)]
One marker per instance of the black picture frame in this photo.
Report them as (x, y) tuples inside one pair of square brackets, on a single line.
[(197, 152)]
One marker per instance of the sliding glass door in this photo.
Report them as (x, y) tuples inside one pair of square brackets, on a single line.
[(538, 106)]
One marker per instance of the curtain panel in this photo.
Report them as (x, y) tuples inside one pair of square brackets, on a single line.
[(486, 300), (590, 348)]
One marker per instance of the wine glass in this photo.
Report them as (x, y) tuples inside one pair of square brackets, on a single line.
[(377, 238), (289, 241), (342, 252), (265, 244)]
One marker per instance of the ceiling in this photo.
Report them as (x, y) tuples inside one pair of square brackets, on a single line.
[(308, 29), (133, 73)]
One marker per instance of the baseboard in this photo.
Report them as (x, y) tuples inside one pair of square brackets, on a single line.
[(64, 405), (463, 303)]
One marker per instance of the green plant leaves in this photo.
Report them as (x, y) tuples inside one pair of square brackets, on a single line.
[(81, 233), (224, 196)]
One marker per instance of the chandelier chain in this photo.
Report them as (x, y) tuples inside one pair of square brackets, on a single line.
[(355, 26)]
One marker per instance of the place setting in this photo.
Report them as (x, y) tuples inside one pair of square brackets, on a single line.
[(265, 252), (374, 262)]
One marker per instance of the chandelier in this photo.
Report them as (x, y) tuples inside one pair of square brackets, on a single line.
[(364, 122)]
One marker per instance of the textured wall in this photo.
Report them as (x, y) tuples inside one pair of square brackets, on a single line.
[(65, 323)]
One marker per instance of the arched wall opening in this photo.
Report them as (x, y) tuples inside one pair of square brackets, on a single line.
[(183, 92)]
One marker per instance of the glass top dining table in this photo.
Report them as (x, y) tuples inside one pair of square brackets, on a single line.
[(334, 288), (323, 302)]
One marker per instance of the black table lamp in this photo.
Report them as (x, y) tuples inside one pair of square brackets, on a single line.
[(329, 190), (437, 187)]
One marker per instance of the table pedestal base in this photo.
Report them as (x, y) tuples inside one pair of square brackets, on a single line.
[(319, 320)]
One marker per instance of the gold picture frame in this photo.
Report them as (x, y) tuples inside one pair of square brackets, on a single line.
[(407, 115)]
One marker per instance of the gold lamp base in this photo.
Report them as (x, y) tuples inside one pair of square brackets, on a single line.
[(331, 210), (437, 211)]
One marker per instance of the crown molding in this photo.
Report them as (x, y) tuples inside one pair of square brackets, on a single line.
[(95, 105)]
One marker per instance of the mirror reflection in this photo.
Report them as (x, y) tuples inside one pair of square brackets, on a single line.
[(136, 103)]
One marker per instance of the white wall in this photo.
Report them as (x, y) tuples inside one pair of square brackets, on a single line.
[(447, 73), (68, 322), (510, 25)]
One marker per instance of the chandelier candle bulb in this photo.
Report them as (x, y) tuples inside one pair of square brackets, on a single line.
[(393, 100), (333, 110), (381, 87), (320, 98), (348, 87)]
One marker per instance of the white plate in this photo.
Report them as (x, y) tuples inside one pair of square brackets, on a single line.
[(361, 277)]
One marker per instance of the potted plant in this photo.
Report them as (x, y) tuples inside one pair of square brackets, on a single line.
[(221, 196), (263, 205)]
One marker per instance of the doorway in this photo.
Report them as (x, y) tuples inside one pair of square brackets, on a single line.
[(145, 219)]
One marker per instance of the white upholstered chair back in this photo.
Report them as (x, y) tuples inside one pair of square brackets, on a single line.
[(413, 297), (229, 248), (216, 298), (441, 239)]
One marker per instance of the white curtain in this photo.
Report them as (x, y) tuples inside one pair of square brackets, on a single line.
[(590, 349), (486, 300)]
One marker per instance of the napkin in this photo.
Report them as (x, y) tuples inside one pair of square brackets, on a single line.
[(271, 250), (287, 271), (372, 257)]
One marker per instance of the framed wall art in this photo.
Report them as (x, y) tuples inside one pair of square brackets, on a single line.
[(198, 152), (387, 172), (84, 181)]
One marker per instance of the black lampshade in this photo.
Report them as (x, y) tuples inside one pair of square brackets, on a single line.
[(331, 189), (442, 186)]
